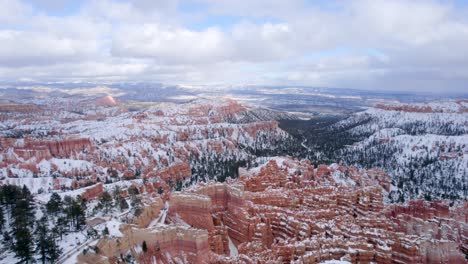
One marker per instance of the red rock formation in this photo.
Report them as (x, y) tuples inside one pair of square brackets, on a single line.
[(64, 148), (45, 149), (175, 172), (195, 210), (93, 192), (164, 244), (19, 108), (279, 213), (106, 101)]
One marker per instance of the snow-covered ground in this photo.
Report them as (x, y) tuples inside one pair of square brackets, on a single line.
[(425, 153)]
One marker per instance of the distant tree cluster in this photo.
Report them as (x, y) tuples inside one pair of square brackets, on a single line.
[(328, 140)]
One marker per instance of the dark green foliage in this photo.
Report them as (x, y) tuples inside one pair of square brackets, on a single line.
[(144, 247), (41, 234), (121, 203), (61, 226), (77, 215), (6, 242), (105, 231), (54, 205), (132, 190), (423, 177), (2, 218), (317, 135), (74, 211), (29, 238), (210, 165), (10, 194), (23, 221), (105, 202)]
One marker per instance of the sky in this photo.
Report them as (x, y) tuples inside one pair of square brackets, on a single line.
[(364, 44)]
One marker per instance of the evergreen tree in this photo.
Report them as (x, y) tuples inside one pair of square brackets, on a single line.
[(121, 203), (75, 215), (78, 215), (144, 247), (46, 245), (2, 218), (53, 250), (54, 205), (6, 240), (41, 234), (23, 219), (105, 202), (105, 231), (60, 226)]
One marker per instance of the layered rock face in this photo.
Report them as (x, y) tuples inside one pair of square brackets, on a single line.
[(164, 245), (73, 143), (18, 108), (287, 211), (38, 150)]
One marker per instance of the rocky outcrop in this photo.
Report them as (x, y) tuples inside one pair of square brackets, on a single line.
[(105, 101), (193, 209), (19, 108), (93, 192), (175, 172), (283, 212), (29, 148), (65, 148), (286, 211), (99, 140), (149, 213), (165, 244)]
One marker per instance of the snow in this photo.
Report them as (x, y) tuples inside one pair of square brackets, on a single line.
[(428, 152), (232, 248), (114, 228), (67, 165), (36, 184), (72, 245), (335, 262), (161, 219)]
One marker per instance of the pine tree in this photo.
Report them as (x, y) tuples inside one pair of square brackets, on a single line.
[(41, 234), (105, 202), (144, 247), (23, 219), (105, 231), (53, 250), (46, 245), (60, 226), (121, 203), (78, 215), (54, 205), (6, 240), (2, 218)]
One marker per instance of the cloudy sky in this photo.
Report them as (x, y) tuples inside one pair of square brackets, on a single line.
[(371, 44)]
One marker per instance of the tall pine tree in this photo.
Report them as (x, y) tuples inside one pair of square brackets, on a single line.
[(23, 221)]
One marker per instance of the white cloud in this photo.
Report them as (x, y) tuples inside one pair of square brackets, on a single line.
[(362, 43), (19, 48), (12, 11), (170, 45)]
